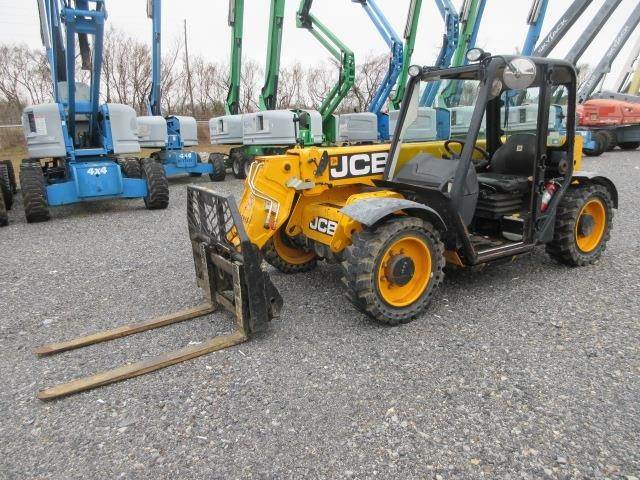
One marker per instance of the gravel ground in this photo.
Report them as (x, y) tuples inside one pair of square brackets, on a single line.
[(527, 370)]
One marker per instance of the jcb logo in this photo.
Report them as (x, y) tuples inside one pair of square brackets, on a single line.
[(323, 225), (359, 165)]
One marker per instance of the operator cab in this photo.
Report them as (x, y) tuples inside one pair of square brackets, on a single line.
[(511, 134)]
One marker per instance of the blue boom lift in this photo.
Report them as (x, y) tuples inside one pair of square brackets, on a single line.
[(75, 143), (172, 133), (450, 40), (393, 41), (534, 20), (461, 35)]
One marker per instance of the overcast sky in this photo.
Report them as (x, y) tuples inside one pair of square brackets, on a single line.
[(503, 27)]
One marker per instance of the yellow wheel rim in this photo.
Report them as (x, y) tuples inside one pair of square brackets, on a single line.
[(590, 225), (408, 250), (292, 255)]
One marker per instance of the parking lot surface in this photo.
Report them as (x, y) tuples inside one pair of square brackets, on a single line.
[(525, 370)]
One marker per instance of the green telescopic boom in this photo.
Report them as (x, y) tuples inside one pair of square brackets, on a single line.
[(410, 32), (236, 16), (337, 49), (269, 94), (470, 18)]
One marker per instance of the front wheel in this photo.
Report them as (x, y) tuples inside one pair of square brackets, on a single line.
[(219, 168), (157, 197), (282, 253), (391, 271), (34, 192), (583, 226)]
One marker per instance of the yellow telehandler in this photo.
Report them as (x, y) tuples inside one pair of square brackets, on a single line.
[(506, 179)]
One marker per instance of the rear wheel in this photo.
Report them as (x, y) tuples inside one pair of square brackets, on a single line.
[(131, 167), (157, 197), (34, 192), (629, 145), (612, 140), (583, 226), (12, 174), (237, 166), (391, 271), (219, 168), (600, 143), (4, 217), (6, 189), (247, 165), (281, 253)]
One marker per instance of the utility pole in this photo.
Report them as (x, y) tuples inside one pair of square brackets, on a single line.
[(186, 62)]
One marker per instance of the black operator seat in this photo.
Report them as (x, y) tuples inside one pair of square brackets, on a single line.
[(512, 164)]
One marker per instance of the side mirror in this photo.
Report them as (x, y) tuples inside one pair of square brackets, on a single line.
[(519, 73)]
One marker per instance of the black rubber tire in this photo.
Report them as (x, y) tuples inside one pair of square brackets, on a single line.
[(6, 188), (247, 165), (271, 256), (12, 175), (131, 167), (157, 185), (600, 140), (629, 145), (563, 248), (34, 193), (612, 140), (361, 262), (4, 217), (237, 165), (217, 161)]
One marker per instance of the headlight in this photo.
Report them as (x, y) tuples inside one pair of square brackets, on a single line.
[(475, 55), (414, 70)]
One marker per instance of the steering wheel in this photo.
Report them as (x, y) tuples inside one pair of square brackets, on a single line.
[(477, 163)]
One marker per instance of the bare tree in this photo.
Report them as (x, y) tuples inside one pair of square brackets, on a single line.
[(319, 81), (369, 76), (126, 70), (291, 86), (24, 77)]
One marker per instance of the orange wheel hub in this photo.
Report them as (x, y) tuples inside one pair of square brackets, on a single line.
[(404, 271), (590, 225)]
